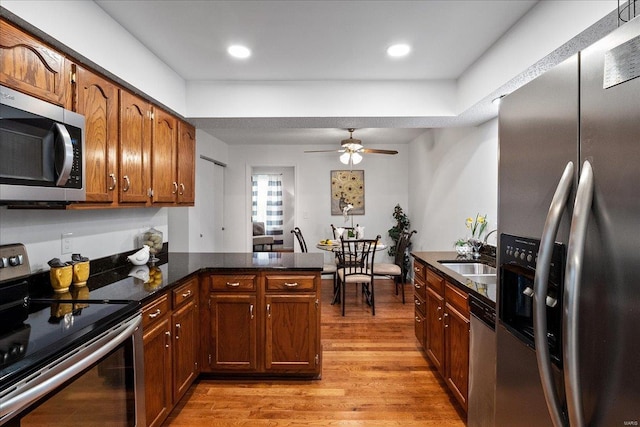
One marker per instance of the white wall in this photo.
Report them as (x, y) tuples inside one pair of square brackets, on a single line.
[(385, 186), (452, 176), (96, 233)]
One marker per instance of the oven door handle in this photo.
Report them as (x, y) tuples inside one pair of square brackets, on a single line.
[(58, 372), (573, 273), (540, 286)]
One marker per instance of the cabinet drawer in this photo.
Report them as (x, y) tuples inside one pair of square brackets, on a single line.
[(421, 306), (457, 298), (234, 282), (420, 289), (185, 292), (419, 271), (291, 283), (155, 310), (435, 282)]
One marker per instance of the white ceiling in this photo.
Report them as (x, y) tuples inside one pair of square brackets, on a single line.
[(316, 40)]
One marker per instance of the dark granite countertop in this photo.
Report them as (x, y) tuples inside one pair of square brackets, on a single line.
[(486, 292), (115, 278)]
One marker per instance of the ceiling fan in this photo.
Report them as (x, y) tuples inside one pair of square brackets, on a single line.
[(352, 150)]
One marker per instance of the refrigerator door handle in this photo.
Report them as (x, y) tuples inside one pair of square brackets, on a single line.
[(575, 258), (540, 286)]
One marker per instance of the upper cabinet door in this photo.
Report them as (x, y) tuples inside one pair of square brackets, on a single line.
[(135, 149), (28, 65), (97, 99), (186, 163), (165, 140)]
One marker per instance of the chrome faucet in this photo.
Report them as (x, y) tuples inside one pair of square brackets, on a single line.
[(489, 234)]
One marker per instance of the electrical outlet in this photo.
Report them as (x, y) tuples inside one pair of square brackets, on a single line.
[(66, 243)]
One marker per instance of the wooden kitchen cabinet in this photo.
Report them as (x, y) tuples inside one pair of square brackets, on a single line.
[(445, 327), (420, 302), (185, 321), (30, 66), (157, 360), (170, 324), (164, 157), (135, 149), (186, 164), (97, 99), (264, 324)]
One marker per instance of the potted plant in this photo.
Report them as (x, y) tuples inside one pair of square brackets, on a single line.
[(402, 224)]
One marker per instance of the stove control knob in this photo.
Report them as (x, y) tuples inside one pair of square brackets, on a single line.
[(551, 301), (15, 260), (4, 356), (528, 292), (4, 262)]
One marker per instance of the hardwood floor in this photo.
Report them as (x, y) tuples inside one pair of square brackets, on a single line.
[(373, 375)]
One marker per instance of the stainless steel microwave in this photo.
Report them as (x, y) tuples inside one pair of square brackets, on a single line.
[(41, 151)]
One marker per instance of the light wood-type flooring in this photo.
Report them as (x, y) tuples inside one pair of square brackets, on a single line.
[(374, 374)]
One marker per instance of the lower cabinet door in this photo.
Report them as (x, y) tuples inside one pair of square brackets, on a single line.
[(157, 372), (233, 329), (435, 330), (185, 348), (457, 363), (292, 333)]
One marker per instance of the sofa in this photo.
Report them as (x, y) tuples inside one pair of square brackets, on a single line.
[(260, 239)]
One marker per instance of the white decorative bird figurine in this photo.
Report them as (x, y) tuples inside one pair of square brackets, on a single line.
[(141, 257)]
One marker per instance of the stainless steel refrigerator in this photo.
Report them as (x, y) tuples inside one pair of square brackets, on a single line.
[(568, 334)]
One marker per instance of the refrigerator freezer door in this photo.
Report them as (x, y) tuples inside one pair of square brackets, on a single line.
[(608, 314), (538, 131)]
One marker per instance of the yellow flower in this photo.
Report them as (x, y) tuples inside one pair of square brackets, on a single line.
[(479, 225)]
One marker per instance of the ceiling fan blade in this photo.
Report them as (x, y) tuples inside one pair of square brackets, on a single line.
[(375, 151), (324, 151)]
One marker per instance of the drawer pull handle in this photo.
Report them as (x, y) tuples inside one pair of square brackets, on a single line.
[(418, 302), (233, 285), (186, 294), (418, 286), (418, 319), (291, 285), (155, 314)]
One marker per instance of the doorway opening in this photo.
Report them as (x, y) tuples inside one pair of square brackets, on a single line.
[(272, 203)]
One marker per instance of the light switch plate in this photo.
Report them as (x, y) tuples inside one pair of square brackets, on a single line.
[(67, 243)]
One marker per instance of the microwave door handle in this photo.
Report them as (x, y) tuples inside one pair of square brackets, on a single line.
[(64, 154), (573, 272), (540, 286)]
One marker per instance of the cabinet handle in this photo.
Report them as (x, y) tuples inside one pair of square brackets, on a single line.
[(251, 310), (417, 270), (127, 183), (178, 326), (113, 181), (418, 319), (446, 325), (417, 285), (181, 189), (175, 188), (417, 302), (168, 336), (186, 294), (269, 310), (233, 285), (291, 285), (154, 314)]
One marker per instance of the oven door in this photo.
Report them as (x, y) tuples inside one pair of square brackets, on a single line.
[(100, 383)]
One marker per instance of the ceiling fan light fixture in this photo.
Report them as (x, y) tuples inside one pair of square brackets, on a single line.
[(345, 157), (356, 158)]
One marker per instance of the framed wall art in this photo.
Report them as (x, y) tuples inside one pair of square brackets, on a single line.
[(347, 187)]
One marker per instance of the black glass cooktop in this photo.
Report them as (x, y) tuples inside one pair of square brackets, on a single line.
[(55, 326)]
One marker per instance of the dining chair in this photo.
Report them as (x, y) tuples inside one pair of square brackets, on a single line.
[(355, 265), (327, 269), (396, 270)]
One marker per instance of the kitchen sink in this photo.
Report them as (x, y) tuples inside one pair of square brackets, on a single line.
[(487, 279), (471, 268)]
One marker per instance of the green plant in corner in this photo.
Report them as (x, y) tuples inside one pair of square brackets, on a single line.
[(402, 224)]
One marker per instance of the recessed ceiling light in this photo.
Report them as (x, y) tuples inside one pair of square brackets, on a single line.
[(238, 51), (397, 50)]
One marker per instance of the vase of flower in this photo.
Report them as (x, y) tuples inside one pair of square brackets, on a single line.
[(477, 228)]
